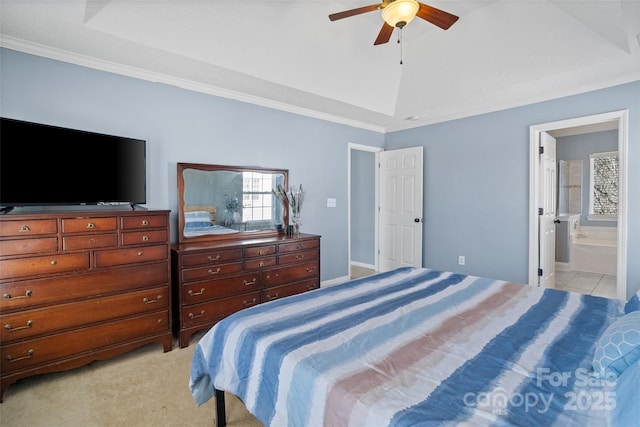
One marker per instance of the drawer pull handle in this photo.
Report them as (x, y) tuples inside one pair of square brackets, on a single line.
[(25, 229), (261, 264), (140, 253), (261, 252), (27, 294), (145, 238), (269, 297), (299, 257), (54, 262), (300, 245), (193, 294), (91, 225), (214, 272), (210, 258), (253, 282), (151, 301), (193, 316), (145, 222), (10, 328), (249, 303), (310, 270), (29, 355)]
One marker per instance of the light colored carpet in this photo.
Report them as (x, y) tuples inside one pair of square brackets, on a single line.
[(144, 387)]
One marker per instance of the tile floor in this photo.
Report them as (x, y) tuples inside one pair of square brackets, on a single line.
[(603, 285)]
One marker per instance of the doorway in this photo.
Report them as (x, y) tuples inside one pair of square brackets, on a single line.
[(607, 121), (362, 215)]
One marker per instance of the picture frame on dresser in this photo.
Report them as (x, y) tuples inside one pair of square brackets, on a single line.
[(225, 262)]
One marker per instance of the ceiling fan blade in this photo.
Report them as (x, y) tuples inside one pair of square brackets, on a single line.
[(384, 35), (352, 12), (436, 16)]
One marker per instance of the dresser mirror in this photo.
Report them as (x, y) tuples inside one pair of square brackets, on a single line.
[(217, 202)]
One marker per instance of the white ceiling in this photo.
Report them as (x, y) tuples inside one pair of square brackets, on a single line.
[(288, 55)]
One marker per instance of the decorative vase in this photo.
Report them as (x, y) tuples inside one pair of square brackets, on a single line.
[(296, 223), (228, 217)]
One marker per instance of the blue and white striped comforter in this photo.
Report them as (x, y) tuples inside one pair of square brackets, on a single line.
[(413, 347)]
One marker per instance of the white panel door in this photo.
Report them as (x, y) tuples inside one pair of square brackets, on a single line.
[(548, 215), (400, 208)]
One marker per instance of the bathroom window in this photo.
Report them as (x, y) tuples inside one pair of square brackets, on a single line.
[(603, 186)]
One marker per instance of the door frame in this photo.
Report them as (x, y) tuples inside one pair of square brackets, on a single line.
[(360, 147), (621, 118)]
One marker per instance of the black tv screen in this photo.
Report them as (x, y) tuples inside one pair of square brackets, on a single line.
[(49, 165)]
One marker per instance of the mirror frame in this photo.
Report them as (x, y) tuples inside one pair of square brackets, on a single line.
[(235, 236)]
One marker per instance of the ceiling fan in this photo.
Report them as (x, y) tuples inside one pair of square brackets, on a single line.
[(398, 13)]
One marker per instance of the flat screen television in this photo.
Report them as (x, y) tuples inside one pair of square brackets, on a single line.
[(49, 165)]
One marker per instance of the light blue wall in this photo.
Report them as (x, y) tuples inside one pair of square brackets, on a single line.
[(476, 183), (184, 126), (476, 169), (579, 147)]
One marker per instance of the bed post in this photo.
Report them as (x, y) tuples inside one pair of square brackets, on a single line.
[(221, 416)]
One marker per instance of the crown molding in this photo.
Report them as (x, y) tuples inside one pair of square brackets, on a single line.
[(117, 68)]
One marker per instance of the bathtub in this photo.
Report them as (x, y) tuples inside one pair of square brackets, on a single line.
[(594, 249)]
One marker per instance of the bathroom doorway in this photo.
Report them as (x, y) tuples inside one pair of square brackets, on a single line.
[(586, 226), (585, 125)]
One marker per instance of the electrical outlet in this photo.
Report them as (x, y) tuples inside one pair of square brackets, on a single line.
[(461, 260)]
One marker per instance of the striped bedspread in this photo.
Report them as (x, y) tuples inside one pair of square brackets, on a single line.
[(413, 347)]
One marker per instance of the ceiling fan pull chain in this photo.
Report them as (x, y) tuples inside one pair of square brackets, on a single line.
[(400, 43)]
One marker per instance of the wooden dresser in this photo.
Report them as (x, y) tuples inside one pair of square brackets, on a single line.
[(215, 279), (81, 286)]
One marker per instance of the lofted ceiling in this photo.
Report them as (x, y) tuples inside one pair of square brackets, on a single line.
[(288, 54)]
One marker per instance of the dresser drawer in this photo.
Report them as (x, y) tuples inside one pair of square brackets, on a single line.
[(282, 275), (271, 294), (28, 227), (128, 256), (25, 294), (33, 266), (73, 243), (257, 263), (90, 225), (214, 310), (198, 292), (42, 350), (202, 273), (256, 251), (211, 257), (144, 237), (30, 323), (28, 246), (299, 256), (144, 221), (299, 245)]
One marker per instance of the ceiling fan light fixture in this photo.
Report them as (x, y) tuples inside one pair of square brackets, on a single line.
[(400, 12)]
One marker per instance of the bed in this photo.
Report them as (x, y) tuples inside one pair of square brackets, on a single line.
[(202, 220), (418, 346)]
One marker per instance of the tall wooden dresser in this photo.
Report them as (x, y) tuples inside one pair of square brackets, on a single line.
[(81, 286), (215, 279)]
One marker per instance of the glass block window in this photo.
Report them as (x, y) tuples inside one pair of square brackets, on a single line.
[(603, 185)]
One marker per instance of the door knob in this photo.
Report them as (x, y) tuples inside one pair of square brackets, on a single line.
[(557, 221), (416, 220)]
